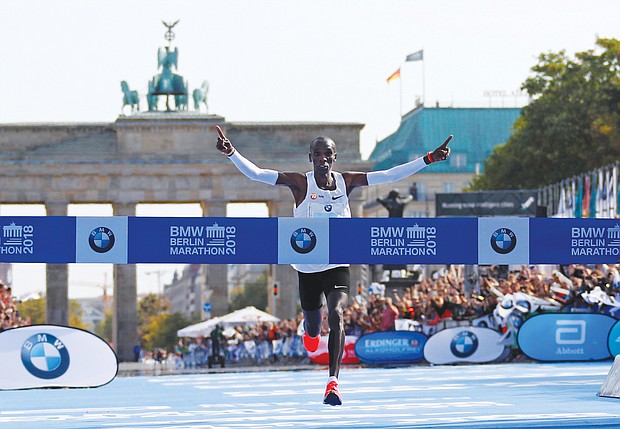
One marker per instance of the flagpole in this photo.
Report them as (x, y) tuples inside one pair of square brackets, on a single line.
[(423, 84), (400, 83)]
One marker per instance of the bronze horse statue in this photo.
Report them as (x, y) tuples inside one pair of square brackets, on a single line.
[(200, 96), (130, 98)]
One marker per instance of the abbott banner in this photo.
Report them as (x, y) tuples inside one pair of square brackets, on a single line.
[(54, 356), (558, 337)]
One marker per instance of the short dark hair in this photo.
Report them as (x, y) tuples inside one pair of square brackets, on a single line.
[(321, 139)]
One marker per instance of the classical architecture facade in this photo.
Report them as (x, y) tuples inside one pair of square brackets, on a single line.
[(159, 157)]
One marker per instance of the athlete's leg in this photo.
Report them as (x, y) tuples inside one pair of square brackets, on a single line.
[(310, 292), (336, 303)]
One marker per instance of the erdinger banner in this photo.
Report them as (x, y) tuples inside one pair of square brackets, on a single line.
[(391, 347), (54, 356), (464, 344), (557, 337)]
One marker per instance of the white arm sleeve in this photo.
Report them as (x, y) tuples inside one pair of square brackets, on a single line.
[(251, 171), (395, 174)]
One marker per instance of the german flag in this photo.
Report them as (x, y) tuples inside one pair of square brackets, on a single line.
[(394, 76)]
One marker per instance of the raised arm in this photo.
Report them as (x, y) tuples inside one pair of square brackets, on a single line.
[(296, 182), (245, 166), (399, 172)]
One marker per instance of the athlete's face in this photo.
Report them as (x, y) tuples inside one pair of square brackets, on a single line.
[(322, 155)]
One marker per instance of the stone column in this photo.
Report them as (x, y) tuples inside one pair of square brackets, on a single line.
[(216, 283), (57, 282), (125, 302), (285, 305)]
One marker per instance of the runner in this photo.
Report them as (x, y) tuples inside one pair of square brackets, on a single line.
[(323, 192)]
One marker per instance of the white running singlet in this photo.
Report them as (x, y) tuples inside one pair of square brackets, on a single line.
[(322, 203)]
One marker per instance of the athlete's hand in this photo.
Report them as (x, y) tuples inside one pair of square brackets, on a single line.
[(442, 152), (223, 144)]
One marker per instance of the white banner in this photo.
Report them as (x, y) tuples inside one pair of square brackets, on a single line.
[(101, 239), (464, 344), (54, 356), (303, 240), (503, 240)]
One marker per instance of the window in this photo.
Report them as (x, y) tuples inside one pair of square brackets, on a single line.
[(458, 160)]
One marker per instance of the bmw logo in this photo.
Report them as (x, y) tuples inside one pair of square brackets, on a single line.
[(303, 240), (101, 239), (464, 344), (45, 356), (503, 241), (328, 207)]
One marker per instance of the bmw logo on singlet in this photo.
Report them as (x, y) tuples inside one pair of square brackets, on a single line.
[(101, 239), (503, 241), (45, 356), (303, 240)]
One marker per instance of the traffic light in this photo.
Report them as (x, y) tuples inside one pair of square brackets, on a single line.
[(359, 288), (276, 290)]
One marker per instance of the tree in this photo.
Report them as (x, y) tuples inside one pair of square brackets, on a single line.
[(162, 330), (254, 293), (571, 126), (34, 310)]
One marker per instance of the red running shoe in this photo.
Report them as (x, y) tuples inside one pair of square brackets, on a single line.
[(311, 344), (332, 397)]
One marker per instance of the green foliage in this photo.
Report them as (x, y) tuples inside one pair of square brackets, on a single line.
[(104, 329), (161, 330), (254, 293), (34, 310), (571, 126)]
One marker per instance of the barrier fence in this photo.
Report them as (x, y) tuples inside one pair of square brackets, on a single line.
[(215, 240)]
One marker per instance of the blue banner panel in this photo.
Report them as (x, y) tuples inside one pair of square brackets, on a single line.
[(391, 347), (49, 239), (40, 356), (568, 241), (403, 241), (613, 342), (464, 344), (558, 337), (203, 240)]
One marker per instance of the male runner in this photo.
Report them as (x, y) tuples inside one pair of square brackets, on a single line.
[(313, 191)]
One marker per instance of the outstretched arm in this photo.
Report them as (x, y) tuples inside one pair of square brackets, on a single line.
[(245, 166), (403, 171)]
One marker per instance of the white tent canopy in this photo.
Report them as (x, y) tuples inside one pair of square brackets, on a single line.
[(246, 316)]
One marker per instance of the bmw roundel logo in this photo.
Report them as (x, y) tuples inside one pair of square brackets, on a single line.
[(303, 240), (503, 241), (45, 356), (464, 344), (328, 207), (101, 239)]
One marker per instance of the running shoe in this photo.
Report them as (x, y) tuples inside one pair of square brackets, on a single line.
[(311, 343), (332, 397)]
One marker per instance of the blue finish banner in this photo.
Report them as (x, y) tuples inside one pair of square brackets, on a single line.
[(208, 240), (583, 241), (557, 337), (49, 239), (403, 241), (203, 240)]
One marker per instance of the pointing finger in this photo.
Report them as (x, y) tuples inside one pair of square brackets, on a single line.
[(445, 144), (220, 132)]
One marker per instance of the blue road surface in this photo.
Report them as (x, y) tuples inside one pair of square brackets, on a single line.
[(516, 395)]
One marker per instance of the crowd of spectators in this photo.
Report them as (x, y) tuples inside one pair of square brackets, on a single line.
[(9, 314), (440, 297)]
